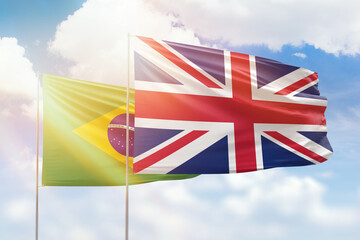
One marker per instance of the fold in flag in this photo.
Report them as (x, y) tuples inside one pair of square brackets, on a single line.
[(85, 135), (202, 110)]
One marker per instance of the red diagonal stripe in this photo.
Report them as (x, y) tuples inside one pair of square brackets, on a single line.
[(166, 151), (295, 86), (281, 138), (179, 62)]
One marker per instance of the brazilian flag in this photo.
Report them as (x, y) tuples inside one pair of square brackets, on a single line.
[(85, 135)]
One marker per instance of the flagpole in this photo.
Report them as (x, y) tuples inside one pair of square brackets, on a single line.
[(127, 146), (37, 162)]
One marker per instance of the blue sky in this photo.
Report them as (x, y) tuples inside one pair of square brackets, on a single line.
[(87, 40)]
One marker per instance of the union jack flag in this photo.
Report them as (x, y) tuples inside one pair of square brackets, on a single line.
[(201, 110)]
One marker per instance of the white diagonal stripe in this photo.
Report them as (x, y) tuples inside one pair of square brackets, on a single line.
[(290, 149), (190, 84), (287, 80), (182, 155), (216, 132), (307, 143), (299, 90), (190, 63), (160, 146), (290, 131), (267, 92)]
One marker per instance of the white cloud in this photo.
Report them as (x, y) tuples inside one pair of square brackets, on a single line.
[(21, 164), (287, 196), (24, 162), (18, 92), (300, 55), (81, 233), (94, 38), (18, 87), (16, 75), (271, 202), (30, 109), (6, 112), (179, 194), (329, 25), (19, 210), (326, 175)]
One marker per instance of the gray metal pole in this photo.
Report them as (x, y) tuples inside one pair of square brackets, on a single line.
[(37, 162), (127, 147)]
